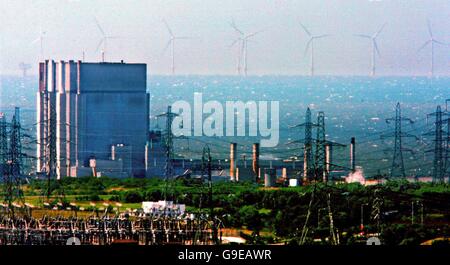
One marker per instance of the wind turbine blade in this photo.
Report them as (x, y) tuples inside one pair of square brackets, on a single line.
[(307, 46), (233, 25), (322, 36), (440, 42), (100, 44), (429, 28), (379, 31), (234, 42), (35, 41), (253, 34), (423, 46), (168, 28), (99, 27), (362, 36), (167, 46), (305, 29)]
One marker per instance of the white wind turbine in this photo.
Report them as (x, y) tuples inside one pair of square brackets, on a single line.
[(310, 43), (431, 41), (242, 40), (373, 40), (104, 40), (40, 40), (171, 43)]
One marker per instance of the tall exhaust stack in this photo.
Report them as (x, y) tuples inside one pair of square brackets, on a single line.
[(305, 166), (233, 161), (327, 162), (352, 154), (255, 160)]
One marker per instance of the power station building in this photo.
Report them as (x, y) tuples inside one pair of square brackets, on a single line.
[(92, 119)]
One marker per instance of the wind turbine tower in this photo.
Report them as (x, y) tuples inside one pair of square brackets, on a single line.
[(375, 50), (310, 43)]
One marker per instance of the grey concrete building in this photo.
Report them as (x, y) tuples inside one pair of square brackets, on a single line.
[(101, 113)]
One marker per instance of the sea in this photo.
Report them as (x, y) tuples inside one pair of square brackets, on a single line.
[(354, 106)]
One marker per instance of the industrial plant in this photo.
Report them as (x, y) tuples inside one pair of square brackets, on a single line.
[(92, 119), (114, 144)]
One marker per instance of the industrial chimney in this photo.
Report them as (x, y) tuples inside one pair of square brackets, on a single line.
[(352, 154), (305, 165), (327, 162), (233, 161), (255, 160)]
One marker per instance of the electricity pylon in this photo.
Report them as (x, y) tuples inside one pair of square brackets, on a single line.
[(308, 162), (439, 149), (447, 142), (11, 161), (398, 167), (320, 172), (169, 170)]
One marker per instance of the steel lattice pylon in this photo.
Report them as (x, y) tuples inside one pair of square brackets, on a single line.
[(308, 158), (169, 170), (398, 166), (320, 156), (447, 142), (207, 170), (439, 149), (11, 161), (308, 161), (51, 160), (16, 146), (3, 145)]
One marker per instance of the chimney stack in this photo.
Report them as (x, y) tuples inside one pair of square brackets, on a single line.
[(233, 161), (255, 160), (352, 154), (327, 162)]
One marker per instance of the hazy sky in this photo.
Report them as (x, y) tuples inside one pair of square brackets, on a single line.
[(70, 29)]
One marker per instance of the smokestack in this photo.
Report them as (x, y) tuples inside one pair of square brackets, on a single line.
[(352, 153), (255, 160), (233, 161), (305, 166), (327, 162)]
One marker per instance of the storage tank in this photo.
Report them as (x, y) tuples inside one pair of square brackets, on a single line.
[(270, 177)]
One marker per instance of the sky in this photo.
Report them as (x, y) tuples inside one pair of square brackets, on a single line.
[(279, 49)]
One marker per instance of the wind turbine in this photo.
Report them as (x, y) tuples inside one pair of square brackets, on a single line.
[(310, 43), (104, 39), (242, 40), (171, 43), (40, 39), (431, 41), (373, 40)]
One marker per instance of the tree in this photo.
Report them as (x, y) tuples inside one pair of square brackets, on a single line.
[(250, 217)]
